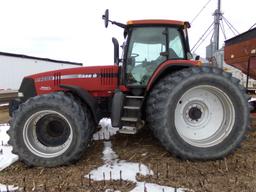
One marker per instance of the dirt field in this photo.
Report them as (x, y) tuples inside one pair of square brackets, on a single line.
[(237, 172)]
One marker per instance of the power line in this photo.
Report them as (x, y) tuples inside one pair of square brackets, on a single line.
[(253, 26), (231, 27), (223, 29), (201, 38), (201, 10)]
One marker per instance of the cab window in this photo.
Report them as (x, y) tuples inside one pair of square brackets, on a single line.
[(144, 53), (148, 48), (176, 49)]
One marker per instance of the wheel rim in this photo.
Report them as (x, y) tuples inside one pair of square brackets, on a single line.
[(47, 134), (204, 116)]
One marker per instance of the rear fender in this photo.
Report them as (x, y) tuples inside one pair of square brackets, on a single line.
[(167, 68), (159, 73)]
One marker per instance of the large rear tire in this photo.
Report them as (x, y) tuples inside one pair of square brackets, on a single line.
[(50, 130), (198, 113)]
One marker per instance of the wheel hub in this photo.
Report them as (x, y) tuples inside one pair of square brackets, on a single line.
[(52, 131), (195, 113)]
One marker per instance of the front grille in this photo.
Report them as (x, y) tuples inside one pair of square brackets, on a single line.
[(107, 76), (57, 79)]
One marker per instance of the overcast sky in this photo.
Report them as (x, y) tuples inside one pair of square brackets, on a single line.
[(73, 30)]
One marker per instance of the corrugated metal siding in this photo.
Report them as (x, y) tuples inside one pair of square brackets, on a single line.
[(13, 69)]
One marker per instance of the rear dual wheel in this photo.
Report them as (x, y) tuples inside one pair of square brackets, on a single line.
[(50, 130), (198, 113)]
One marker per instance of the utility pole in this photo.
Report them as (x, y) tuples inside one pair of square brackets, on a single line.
[(213, 47), (217, 17)]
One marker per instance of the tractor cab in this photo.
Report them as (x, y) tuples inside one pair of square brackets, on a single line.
[(149, 44)]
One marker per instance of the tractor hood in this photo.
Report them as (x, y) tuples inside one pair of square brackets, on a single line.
[(99, 80)]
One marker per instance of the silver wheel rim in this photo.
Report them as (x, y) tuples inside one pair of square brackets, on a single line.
[(31, 139), (204, 116)]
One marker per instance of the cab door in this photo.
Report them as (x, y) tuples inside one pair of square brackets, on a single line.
[(148, 48)]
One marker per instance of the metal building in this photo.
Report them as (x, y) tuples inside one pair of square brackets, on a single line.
[(13, 67)]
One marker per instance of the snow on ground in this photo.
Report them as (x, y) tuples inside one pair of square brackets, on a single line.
[(111, 190), (252, 99), (6, 156), (151, 187), (4, 188), (114, 169), (107, 130)]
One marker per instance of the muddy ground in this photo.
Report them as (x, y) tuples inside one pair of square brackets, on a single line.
[(237, 172)]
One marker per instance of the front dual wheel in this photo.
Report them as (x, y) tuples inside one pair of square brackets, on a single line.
[(50, 130), (198, 113)]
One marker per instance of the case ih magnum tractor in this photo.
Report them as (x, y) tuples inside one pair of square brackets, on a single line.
[(196, 112)]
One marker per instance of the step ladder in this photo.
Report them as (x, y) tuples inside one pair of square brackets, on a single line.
[(131, 117)]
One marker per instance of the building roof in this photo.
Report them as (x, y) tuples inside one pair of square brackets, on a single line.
[(38, 58)]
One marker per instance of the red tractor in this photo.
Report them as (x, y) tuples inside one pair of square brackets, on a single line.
[(196, 112)]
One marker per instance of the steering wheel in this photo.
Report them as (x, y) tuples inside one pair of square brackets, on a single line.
[(132, 60)]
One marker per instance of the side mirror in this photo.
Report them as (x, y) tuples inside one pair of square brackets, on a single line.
[(105, 17)]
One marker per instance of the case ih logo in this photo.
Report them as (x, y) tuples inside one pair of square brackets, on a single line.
[(80, 76)]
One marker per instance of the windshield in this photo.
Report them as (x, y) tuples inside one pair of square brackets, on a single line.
[(148, 48)]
